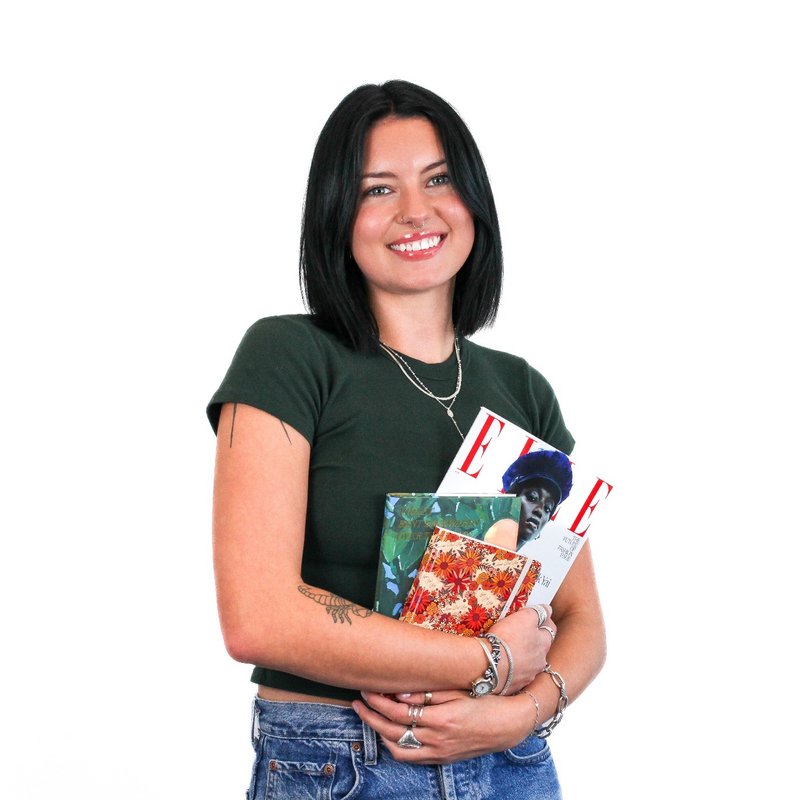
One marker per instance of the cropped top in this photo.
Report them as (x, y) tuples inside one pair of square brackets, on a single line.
[(371, 432)]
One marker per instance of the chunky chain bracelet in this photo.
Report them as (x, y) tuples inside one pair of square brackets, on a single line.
[(544, 732)]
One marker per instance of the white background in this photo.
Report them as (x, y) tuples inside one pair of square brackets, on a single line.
[(645, 162)]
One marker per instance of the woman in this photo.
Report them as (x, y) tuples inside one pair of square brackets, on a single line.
[(319, 417)]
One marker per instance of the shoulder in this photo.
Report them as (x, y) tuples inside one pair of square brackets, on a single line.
[(508, 364), (285, 365), (530, 390), (290, 338), (295, 328)]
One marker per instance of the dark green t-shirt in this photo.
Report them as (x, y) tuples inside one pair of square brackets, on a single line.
[(371, 432)]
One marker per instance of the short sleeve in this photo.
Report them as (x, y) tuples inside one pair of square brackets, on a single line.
[(279, 368), (547, 411)]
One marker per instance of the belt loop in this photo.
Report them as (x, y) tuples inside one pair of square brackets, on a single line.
[(370, 746), (255, 728)]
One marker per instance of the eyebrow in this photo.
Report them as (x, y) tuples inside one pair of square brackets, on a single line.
[(435, 165)]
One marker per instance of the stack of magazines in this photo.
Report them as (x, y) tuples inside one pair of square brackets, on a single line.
[(500, 532)]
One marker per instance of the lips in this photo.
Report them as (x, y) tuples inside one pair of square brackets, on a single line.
[(533, 522), (418, 245)]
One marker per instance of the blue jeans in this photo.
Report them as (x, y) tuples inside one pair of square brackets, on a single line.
[(315, 751)]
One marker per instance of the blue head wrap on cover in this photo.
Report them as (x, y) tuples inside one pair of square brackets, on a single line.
[(551, 466)]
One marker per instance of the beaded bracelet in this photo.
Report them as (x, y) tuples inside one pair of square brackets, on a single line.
[(492, 656)]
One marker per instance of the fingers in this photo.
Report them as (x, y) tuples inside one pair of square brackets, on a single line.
[(387, 726), (429, 698), (443, 733), (417, 698), (392, 719), (546, 610), (393, 722), (529, 633), (546, 625), (388, 707), (550, 629)]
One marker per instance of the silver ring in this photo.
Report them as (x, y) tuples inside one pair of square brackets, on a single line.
[(408, 740), (543, 615), (414, 712), (549, 630), (428, 698)]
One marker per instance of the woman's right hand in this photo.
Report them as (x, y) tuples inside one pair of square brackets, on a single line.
[(529, 645)]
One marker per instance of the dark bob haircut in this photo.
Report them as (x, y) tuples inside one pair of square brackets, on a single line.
[(333, 286)]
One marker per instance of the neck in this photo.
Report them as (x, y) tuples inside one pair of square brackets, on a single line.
[(416, 326)]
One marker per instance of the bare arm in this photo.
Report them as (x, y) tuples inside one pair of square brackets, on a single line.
[(579, 650), (270, 617)]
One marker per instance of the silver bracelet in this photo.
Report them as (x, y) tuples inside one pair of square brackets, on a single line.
[(560, 706), (491, 658), (536, 703), (510, 663), (487, 682)]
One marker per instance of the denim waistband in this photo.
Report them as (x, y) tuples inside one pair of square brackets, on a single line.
[(289, 720)]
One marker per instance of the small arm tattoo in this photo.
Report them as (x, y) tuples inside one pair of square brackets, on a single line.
[(233, 420), (337, 607), (285, 431)]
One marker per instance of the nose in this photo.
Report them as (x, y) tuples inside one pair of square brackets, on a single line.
[(536, 509), (417, 222), (414, 209)]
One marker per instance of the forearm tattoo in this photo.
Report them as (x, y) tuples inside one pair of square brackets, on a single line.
[(233, 420), (337, 607)]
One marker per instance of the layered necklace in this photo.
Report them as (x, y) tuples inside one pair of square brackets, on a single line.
[(445, 402)]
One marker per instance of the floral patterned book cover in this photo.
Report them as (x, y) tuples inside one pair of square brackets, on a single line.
[(409, 519), (464, 585)]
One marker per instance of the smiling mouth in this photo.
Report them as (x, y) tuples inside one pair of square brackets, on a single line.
[(421, 245)]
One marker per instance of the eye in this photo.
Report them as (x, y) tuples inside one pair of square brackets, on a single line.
[(439, 180), (376, 191)]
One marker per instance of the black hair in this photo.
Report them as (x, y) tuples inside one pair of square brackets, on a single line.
[(333, 286)]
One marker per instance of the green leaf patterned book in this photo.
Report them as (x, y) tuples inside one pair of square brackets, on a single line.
[(408, 523)]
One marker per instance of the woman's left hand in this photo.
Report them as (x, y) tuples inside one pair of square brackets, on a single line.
[(453, 727)]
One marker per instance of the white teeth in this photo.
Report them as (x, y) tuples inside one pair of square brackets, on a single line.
[(420, 244)]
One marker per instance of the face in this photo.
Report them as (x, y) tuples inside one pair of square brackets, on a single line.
[(538, 505), (412, 233)]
